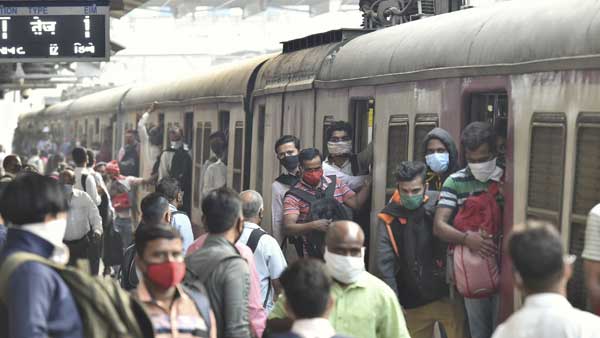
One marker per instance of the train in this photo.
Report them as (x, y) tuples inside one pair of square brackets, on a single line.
[(534, 64)]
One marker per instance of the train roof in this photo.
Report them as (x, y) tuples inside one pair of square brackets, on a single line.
[(60, 108), (227, 83), (509, 37), (106, 101)]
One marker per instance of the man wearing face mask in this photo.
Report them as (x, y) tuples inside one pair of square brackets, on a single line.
[(218, 264), (411, 260), (129, 155), (36, 208), (364, 306), (351, 168), (315, 201), (84, 224), (479, 143), (441, 158), (287, 149), (214, 170), (175, 310), (176, 162)]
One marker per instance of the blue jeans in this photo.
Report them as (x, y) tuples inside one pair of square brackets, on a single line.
[(123, 226), (482, 314)]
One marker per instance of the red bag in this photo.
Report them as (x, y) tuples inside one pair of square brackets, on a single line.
[(476, 276)]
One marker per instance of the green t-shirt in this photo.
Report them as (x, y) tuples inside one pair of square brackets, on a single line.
[(365, 309)]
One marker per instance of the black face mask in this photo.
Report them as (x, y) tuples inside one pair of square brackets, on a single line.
[(290, 163)]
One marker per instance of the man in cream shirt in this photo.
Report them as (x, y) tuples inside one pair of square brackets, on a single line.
[(543, 278)]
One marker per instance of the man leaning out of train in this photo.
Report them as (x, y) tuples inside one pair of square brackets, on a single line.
[(479, 184), (363, 305), (350, 168), (543, 278), (411, 259), (441, 157), (175, 310)]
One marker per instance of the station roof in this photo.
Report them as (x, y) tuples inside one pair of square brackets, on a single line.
[(512, 36)]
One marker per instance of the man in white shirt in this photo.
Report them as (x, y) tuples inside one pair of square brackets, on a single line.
[(150, 143), (80, 158), (591, 256), (287, 149), (36, 162), (268, 256), (176, 162), (214, 170), (169, 188), (84, 224), (542, 273)]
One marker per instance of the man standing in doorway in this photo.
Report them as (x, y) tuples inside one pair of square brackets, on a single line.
[(481, 175), (287, 149), (176, 162)]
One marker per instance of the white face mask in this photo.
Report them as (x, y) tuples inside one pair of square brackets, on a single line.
[(53, 232), (483, 171), (340, 148), (345, 269), (176, 144)]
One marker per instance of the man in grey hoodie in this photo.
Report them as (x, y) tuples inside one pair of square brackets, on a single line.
[(441, 157), (219, 266)]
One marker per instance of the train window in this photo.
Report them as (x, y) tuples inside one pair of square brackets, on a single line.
[(223, 120), (197, 164), (363, 111), (397, 150), (97, 126), (546, 167), (424, 123), (260, 155), (327, 121), (488, 107), (188, 128), (206, 142), (585, 196), (238, 155)]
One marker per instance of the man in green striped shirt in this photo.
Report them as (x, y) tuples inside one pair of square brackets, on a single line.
[(479, 143)]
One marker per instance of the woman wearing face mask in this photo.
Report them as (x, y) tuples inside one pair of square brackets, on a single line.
[(441, 157), (35, 208)]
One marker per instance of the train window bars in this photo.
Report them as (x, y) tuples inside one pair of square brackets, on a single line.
[(424, 123), (397, 150), (197, 164)]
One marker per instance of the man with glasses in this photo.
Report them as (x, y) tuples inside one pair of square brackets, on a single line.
[(315, 201)]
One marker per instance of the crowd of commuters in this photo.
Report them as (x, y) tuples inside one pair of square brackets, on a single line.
[(438, 247)]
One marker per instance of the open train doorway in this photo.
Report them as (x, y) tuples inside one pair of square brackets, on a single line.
[(362, 116), (493, 109)]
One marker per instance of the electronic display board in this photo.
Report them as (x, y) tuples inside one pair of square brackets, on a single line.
[(48, 31)]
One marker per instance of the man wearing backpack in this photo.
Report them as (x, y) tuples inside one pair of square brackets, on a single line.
[(36, 302), (176, 162), (83, 179), (411, 260), (175, 310), (268, 256), (287, 149), (315, 201), (218, 265), (474, 236), (169, 187)]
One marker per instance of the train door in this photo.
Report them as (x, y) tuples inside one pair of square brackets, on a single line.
[(188, 129)]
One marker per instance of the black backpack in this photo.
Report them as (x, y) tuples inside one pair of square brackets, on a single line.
[(421, 256), (323, 205)]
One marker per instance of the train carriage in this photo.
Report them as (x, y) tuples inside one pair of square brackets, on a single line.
[(534, 65)]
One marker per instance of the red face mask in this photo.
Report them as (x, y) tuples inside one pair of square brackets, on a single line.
[(313, 177), (167, 274)]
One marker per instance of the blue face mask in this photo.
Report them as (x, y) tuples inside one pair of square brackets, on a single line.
[(438, 162)]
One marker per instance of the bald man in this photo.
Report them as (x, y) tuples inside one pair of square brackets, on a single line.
[(270, 261), (364, 306), (84, 224)]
